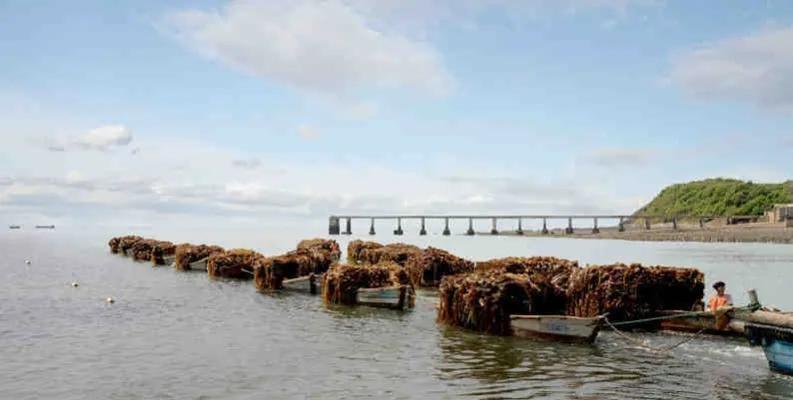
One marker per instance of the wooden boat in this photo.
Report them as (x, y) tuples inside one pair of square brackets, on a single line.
[(397, 297), (704, 322), (777, 343), (577, 329), (200, 265), (306, 283)]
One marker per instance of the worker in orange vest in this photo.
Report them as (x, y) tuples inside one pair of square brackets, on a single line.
[(720, 298), (721, 305)]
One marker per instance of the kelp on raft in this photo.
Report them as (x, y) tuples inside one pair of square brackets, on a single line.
[(124, 243), (484, 300), (160, 250), (428, 267), (342, 281), (186, 253), (326, 246), (235, 264), (632, 291), (271, 272), (551, 270), (362, 252)]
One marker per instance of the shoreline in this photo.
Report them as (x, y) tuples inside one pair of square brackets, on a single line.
[(748, 233)]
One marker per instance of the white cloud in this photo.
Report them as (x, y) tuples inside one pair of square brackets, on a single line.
[(306, 132), (248, 163), (621, 157), (104, 137), (318, 46), (757, 68)]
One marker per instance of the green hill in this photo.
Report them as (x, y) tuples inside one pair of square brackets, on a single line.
[(719, 197)]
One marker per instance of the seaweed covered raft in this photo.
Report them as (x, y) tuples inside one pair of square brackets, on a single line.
[(356, 247), (551, 270), (235, 264), (484, 300), (141, 250), (186, 254), (428, 267), (342, 281), (629, 292), (271, 272), (160, 250), (372, 253), (125, 243), (325, 246)]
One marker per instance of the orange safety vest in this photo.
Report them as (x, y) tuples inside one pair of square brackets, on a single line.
[(717, 301)]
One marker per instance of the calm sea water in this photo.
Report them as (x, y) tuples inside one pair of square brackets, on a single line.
[(184, 336)]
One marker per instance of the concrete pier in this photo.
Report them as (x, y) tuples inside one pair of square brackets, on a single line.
[(333, 226), (335, 222), (398, 231)]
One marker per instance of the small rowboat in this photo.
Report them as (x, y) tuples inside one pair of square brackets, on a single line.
[(777, 345), (200, 265), (577, 329), (397, 297), (306, 283)]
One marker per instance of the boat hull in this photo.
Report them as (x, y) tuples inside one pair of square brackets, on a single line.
[(200, 265), (777, 345), (306, 283), (558, 327), (396, 297)]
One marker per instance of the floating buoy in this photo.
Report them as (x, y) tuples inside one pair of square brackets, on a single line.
[(27, 262), (110, 300), (75, 284)]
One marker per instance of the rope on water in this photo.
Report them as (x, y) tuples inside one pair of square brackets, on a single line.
[(650, 348)]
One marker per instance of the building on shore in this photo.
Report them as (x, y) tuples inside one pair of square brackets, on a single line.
[(780, 213)]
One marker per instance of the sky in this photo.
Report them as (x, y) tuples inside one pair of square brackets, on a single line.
[(194, 112)]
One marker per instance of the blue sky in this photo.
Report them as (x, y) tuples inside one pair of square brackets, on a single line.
[(243, 109)]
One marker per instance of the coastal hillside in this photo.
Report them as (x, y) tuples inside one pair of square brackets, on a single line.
[(719, 197)]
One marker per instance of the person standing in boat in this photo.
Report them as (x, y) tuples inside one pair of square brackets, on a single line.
[(720, 298)]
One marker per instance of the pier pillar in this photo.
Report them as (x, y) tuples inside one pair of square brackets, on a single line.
[(333, 226), (494, 230), (569, 229), (520, 226), (446, 231), (544, 226), (371, 227), (647, 223), (398, 231), (622, 225), (470, 231), (674, 223), (423, 230), (595, 226), (701, 223), (349, 227)]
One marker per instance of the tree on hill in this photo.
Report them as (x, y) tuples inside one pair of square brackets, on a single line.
[(719, 197)]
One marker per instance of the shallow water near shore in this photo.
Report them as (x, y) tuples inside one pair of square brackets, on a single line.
[(182, 335)]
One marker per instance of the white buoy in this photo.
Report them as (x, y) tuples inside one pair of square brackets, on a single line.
[(75, 284), (27, 262), (110, 300)]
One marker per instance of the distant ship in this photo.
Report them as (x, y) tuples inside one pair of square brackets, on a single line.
[(45, 226), (14, 227)]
